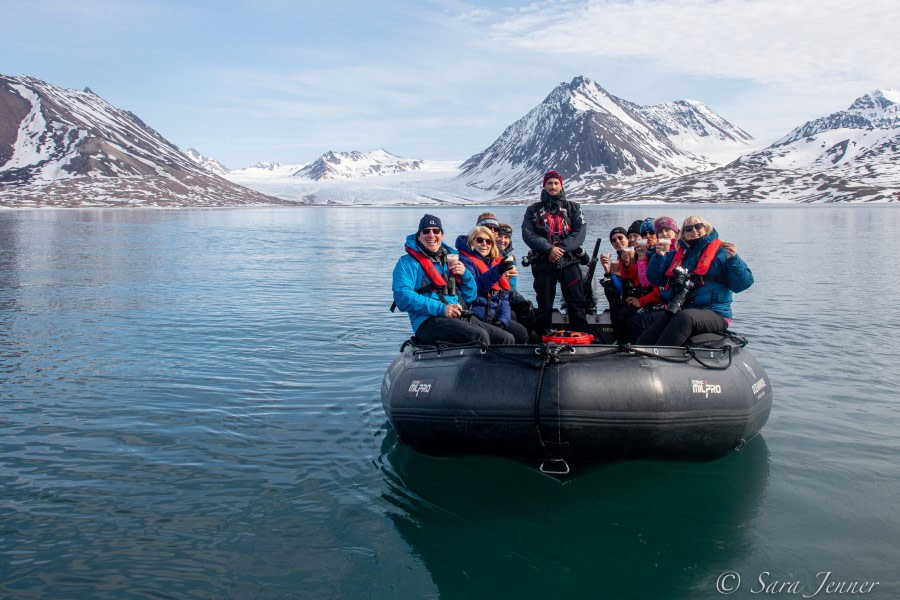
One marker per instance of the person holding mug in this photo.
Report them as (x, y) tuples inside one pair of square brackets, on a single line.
[(479, 254), (698, 278), (434, 292)]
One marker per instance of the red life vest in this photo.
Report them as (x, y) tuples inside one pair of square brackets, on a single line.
[(557, 225), (703, 264), (431, 272), (483, 268)]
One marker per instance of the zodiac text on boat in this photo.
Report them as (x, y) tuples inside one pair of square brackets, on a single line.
[(759, 386), (702, 386), (420, 386)]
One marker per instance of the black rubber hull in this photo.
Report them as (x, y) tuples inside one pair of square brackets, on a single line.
[(590, 407)]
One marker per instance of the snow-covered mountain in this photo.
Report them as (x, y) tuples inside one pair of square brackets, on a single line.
[(208, 163), (266, 170), (62, 147), (602, 142), (352, 165), (692, 127), (850, 155)]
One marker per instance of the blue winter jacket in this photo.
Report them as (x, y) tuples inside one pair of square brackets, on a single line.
[(498, 302), (714, 295), (409, 276)]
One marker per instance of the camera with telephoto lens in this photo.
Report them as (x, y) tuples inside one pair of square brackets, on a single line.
[(581, 255), (681, 287)]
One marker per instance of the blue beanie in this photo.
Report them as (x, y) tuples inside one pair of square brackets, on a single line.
[(429, 221), (647, 226)]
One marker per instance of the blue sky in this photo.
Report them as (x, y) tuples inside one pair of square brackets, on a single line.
[(287, 81)]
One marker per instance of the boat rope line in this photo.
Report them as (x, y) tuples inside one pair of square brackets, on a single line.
[(550, 354), (555, 352)]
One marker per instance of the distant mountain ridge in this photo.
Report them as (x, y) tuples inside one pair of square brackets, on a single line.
[(852, 155), (598, 139), (61, 147), (349, 165), (207, 163)]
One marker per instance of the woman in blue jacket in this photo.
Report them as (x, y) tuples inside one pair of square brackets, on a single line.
[(479, 254), (697, 278)]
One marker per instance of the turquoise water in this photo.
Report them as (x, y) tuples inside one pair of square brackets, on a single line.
[(190, 408)]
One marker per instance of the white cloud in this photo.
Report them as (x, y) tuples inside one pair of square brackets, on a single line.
[(798, 45)]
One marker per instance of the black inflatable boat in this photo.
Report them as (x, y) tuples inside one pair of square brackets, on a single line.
[(560, 404)]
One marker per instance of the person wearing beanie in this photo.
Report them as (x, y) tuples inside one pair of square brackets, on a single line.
[(522, 308), (554, 229), (504, 246), (666, 227), (624, 291), (489, 220), (634, 232), (433, 290), (716, 272)]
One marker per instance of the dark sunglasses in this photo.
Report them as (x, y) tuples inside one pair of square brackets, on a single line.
[(433, 230), (695, 227), (484, 241), (494, 229)]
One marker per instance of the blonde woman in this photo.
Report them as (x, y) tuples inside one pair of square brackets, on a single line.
[(479, 254), (713, 272)]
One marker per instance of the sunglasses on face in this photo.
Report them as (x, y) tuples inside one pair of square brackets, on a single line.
[(695, 227), (431, 230), (484, 241), (620, 238)]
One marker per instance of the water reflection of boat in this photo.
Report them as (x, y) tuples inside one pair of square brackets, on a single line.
[(563, 404), (627, 529)]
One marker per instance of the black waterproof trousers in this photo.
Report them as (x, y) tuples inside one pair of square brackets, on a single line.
[(675, 330), (462, 331), (546, 276)]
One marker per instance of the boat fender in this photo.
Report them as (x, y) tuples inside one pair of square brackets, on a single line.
[(561, 336)]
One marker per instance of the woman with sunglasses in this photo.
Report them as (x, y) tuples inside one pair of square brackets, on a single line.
[(715, 272), (479, 254)]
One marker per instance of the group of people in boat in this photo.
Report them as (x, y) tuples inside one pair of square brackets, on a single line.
[(668, 282)]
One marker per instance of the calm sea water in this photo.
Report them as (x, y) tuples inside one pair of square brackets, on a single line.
[(189, 408)]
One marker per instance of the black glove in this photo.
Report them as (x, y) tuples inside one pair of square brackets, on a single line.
[(504, 266)]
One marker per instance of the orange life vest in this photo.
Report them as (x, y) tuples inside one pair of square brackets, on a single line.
[(703, 264), (434, 276), (483, 268)]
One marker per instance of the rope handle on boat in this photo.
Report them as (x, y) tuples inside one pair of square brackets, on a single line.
[(726, 349), (552, 465)]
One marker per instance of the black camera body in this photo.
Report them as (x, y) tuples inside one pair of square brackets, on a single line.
[(681, 284), (528, 259)]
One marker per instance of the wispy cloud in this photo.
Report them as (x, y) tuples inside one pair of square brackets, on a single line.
[(795, 44)]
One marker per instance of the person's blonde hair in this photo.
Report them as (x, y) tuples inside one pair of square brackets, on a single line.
[(480, 229), (707, 226)]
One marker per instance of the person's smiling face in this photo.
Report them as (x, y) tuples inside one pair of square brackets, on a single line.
[(553, 186), (431, 238), (694, 230), (483, 244)]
